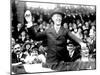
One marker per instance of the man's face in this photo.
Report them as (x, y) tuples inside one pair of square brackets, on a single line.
[(17, 49), (34, 53), (78, 21), (74, 26), (70, 47), (13, 41), (79, 30), (23, 33), (19, 25), (28, 46), (57, 19), (65, 25), (85, 53)]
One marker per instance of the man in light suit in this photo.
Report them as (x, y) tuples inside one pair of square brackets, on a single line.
[(56, 41)]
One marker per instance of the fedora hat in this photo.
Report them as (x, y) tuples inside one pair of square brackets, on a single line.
[(57, 11)]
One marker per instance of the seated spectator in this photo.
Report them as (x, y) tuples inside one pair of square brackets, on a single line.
[(18, 30), (47, 26), (27, 47), (74, 52), (93, 23), (86, 62), (31, 55), (13, 33), (74, 28), (92, 36), (16, 54), (70, 27), (38, 58), (22, 37), (92, 31), (19, 26), (42, 49), (85, 35), (84, 54), (78, 23), (26, 51), (65, 25), (84, 27), (41, 29), (87, 25), (40, 20), (91, 41)]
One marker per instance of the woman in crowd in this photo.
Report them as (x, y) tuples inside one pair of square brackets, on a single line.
[(31, 54)]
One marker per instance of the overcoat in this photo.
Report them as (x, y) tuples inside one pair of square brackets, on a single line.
[(56, 42)]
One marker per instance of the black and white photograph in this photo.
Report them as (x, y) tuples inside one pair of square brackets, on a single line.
[(51, 37)]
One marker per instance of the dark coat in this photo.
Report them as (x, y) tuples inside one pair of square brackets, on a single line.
[(16, 33), (56, 43), (76, 55), (14, 58)]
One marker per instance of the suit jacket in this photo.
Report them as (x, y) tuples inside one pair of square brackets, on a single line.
[(16, 33), (56, 42), (14, 58)]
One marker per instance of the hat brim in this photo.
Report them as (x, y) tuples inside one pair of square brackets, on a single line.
[(60, 13), (27, 43)]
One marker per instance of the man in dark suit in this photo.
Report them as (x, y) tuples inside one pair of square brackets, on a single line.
[(74, 51), (16, 54), (56, 41)]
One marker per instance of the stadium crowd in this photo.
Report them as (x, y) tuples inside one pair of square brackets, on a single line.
[(26, 50)]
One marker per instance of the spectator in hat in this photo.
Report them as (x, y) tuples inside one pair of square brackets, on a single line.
[(38, 57), (26, 50), (56, 40), (74, 52), (31, 54)]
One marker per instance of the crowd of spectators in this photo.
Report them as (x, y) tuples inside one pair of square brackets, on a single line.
[(26, 50)]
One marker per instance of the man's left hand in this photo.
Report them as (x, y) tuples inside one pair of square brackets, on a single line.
[(83, 45)]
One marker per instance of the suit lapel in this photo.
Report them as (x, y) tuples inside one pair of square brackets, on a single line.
[(53, 32), (60, 32)]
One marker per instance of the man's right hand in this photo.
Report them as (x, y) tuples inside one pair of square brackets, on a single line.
[(28, 25)]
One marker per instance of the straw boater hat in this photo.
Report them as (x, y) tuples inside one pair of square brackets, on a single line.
[(27, 43)]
